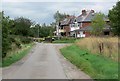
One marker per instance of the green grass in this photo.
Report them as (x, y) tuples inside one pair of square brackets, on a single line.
[(98, 67), (17, 56), (65, 40)]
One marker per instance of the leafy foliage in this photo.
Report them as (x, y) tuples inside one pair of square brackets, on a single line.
[(6, 43), (22, 26), (19, 31), (114, 16), (98, 24), (59, 16), (10, 30)]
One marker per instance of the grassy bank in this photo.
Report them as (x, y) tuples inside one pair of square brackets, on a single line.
[(15, 56), (95, 65)]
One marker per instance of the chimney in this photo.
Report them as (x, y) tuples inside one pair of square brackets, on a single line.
[(67, 16), (84, 12), (93, 12)]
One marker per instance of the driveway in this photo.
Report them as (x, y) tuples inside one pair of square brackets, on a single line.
[(43, 62)]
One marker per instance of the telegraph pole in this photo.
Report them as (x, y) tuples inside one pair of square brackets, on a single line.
[(57, 26), (38, 31)]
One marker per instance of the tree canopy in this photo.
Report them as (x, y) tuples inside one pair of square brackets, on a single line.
[(19, 31), (98, 24), (59, 16), (114, 16), (22, 26)]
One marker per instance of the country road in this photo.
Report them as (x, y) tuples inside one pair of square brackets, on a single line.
[(43, 62)]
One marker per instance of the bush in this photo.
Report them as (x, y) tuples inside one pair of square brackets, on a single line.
[(16, 40), (25, 40), (6, 46)]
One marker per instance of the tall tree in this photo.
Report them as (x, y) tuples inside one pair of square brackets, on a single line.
[(6, 43), (98, 24), (0, 36), (59, 16), (114, 16), (22, 26)]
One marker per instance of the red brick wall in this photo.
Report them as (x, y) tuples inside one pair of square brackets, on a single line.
[(87, 34), (67, 29), (86, 24)]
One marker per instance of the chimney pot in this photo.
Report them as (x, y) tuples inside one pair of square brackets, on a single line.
[(92, 11), (83, 12)]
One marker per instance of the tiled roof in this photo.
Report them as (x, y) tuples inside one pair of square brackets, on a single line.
[(68, 20), (82, 18), (88, 17)]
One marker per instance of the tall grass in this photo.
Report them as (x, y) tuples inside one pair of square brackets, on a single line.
[(110, 46)]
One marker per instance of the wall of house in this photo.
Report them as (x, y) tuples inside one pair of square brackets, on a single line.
[(86, 24), (67, 29), (74, 26), (80, 34), (87, 34)]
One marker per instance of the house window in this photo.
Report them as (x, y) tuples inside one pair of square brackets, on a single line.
[(73, 25), (76, 24), (83, 32), (62, 27)]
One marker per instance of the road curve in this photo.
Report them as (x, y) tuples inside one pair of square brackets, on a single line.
[(43, 62)]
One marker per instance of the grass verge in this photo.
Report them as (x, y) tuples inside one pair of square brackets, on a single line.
[(65, 40), (96, 66), (17, 56)]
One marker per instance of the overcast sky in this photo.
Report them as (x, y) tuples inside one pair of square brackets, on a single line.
[(42, 12)]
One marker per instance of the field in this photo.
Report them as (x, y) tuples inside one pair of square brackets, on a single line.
[(85, 55)]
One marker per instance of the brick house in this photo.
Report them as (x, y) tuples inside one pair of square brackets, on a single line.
[(64, 26), (81, 26)]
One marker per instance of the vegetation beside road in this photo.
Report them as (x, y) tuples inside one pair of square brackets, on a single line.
[(97, 66), (105, 46), (17, 55), (65, 40)]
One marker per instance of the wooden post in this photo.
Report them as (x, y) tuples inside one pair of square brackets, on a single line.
[(101, 47)]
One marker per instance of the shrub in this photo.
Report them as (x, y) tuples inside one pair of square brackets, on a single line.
[(25, 40), (6, 46)]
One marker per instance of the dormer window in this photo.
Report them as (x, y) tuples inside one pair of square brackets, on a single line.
[(75, 20)]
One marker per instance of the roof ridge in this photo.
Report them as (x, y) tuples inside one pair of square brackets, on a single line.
[(86, 16)]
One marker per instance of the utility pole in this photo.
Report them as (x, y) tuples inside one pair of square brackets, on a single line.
[(38, 31), (57, 26)]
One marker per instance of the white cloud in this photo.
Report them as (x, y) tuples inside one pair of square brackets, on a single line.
[(43, 12)]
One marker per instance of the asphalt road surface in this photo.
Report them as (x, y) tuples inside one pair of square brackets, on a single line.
[(43, 62)]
